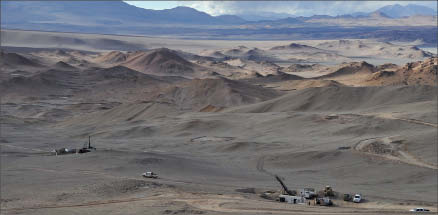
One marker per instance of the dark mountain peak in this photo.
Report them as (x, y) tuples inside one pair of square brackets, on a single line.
[(379, 14), (232, 19), (393, 6), (398, 11), (182, 10), (291, 20), (321, 17), (101, 12)]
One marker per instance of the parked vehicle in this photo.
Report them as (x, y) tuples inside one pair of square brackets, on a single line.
[(308, 193), (419, 210), (325, 201), (150, 175), (357, 198), (347, 197)]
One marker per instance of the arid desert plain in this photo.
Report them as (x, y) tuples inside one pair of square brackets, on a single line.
[(216, 120)]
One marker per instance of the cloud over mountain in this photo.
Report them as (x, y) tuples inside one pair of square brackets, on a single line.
[(297, 8)]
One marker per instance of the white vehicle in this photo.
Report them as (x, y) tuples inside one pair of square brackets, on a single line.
[(419, 210), (308, 193), (357, 198), (149, 175)]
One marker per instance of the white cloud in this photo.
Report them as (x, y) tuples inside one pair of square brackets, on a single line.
[(298, 8)]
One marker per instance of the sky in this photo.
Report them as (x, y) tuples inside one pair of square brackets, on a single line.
[(295, 8)]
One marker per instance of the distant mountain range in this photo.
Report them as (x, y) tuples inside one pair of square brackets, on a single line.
[(399, 11), (391, 11), (118, 17), (102, 12), (119, 12), (264, 16)]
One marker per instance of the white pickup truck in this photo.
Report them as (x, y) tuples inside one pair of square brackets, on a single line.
[(419, 210), (357, 198), (149, 175)]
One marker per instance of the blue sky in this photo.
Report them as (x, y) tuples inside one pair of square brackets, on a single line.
[(298, 8)]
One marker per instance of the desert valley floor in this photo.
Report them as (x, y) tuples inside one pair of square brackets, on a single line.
[(216, 120)]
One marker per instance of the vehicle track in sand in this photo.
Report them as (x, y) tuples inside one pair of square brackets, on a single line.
[(105, 202), (260, 166), (235, 204), (209, 202), (84, 204), (25, 148), (402, 156), (391, 116)]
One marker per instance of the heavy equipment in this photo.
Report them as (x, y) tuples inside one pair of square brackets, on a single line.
[(86, 148), (328, 191), (324, 201), (285, 189)]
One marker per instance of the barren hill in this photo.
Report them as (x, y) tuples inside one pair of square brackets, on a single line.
[(299, 84), (120, 73), (221, 92), (61, 65), (302, 67), (115, 83), (276, 77), (50, 82), (112, 57), (381, 49), (161, 61), (203, 95), (351, 69), (120, 83), (364, 74), (14, 60), (343, 99), (296, 47), (415, 73)]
